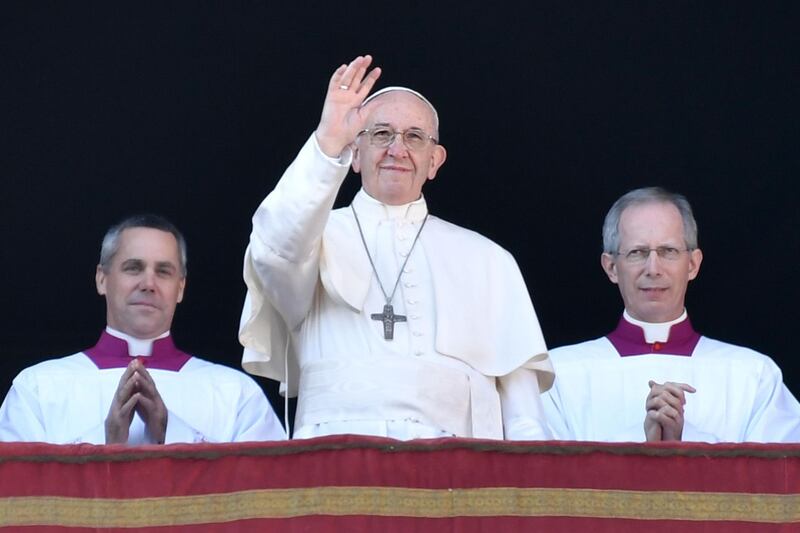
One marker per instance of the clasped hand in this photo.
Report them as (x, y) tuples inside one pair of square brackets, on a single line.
[(136, 393), (664, 405)]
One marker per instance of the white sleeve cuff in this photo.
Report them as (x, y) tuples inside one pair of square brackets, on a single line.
[(344, 159)]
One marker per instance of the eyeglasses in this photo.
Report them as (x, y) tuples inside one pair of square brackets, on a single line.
[(413, 138), (640, 255)]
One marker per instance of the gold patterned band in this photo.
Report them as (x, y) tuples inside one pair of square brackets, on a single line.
[(399, 502)]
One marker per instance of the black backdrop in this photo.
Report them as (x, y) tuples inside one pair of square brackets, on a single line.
[(549, 112)]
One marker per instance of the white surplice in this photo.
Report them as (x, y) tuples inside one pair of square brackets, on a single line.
[(470, 359), (66, 401), (599, 395)]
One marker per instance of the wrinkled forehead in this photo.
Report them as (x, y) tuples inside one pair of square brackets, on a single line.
[(400, 104)]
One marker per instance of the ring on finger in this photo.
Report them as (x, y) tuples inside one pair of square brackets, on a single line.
[(344, 87)]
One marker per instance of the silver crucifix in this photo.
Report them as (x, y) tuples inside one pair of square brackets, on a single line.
[(389, 318)]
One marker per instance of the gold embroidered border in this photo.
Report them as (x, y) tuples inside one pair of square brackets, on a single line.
[(394, 501)]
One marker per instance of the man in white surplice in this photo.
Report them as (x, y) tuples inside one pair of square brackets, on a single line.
[(393, 322), (654, 377), (135, 386)]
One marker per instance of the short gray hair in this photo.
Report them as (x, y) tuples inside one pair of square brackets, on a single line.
[(111, 243), (648, 195)]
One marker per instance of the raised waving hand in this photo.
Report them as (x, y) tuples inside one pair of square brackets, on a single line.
[(342, 118)]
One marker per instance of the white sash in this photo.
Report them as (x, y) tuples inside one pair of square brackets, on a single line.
[(463, 403)]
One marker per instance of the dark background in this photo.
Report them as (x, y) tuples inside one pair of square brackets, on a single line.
[(549, 113)]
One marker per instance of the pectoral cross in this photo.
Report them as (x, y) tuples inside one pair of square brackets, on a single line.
[(389, 318)]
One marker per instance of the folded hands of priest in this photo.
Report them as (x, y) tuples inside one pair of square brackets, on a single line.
[(136, 393)]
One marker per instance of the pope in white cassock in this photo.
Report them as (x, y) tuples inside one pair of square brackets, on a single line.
[(135, 386), (654, 377), (384, 319)]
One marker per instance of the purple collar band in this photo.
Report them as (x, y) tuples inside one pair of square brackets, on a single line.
[(628, 339), (112, 352)]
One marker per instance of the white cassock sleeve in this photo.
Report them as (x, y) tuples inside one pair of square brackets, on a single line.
[(233, 408), (256, 420), (521, 401), (21, 419), (287, 231), (282, 261), (775, 414)]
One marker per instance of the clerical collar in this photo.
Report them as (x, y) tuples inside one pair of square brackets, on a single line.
[(136, 347), (629, 337), (655, 331), (372, 210), (112, 351)]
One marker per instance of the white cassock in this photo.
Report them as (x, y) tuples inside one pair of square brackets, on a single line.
[(469, 361), (66, 400), (601, 387)]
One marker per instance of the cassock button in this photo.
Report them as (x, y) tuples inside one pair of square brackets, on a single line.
[(657, 346)]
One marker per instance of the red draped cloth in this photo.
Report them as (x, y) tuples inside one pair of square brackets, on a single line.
[(347, 483)]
